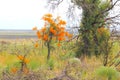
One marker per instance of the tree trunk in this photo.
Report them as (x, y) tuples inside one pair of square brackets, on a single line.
[(48, 46)]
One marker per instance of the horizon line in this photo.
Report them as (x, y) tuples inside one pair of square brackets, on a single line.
[(15, 29)]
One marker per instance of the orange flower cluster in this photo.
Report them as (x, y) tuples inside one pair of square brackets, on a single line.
[(58, 44), (101, 30), (35, 28), (14, 70), (53, 28), (24, 61), (22, 58), (53, 31), (36, 45), (25, 70), (38, 34)]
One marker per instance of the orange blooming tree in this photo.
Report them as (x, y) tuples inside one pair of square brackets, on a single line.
[(23, 65), (23, 61), (54, 29)]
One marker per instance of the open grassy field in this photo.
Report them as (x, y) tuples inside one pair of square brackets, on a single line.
[(62, 65)]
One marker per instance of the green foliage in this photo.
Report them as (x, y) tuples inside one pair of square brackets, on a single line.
[(67, 56), (104, 4), (107, 73), (50, 63), (92, 20), (33, 65), (74, 61), (116, 61)]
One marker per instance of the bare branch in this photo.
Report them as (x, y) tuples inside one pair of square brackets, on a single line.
[(110, 8), (116, 16), (54, 3)]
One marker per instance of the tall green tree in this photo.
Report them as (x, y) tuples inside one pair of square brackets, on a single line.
[(94, 31), (94, 34), (93, 18)]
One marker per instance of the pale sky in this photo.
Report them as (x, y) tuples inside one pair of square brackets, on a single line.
[(21, 14), (25, 14)]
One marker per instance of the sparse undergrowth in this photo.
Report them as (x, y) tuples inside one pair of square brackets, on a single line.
[(62, 65)]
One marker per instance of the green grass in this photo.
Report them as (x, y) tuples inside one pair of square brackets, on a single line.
[(60, 57)]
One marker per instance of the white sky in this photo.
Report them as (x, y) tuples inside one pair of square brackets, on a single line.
[(21, 14), (25, 14)]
